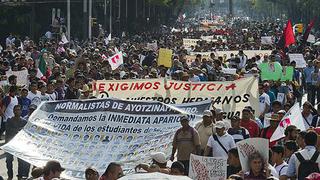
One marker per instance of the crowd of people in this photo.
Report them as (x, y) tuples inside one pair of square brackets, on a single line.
[(65, 71)]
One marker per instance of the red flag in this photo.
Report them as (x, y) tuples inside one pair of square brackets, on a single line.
[(308, 30), (288, 34)]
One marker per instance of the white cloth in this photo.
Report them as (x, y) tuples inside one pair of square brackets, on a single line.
[(9, 109), (226, 140), (264, 100)]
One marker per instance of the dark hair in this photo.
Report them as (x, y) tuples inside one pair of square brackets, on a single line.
[(111, 167), (303, 134), (17, 106), (278, 149), (311, 138), (90, 171), (13, 89), (291, 145), (234, 151), (235, 177), (11, 78), (289, 129), (178, 165), (276, 103)]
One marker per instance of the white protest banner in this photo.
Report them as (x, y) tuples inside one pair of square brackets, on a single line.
[(22, 76), (208, 168), (190, 42), (299, 59), (249, 146), (229, 70), (267, 40), (80, 134), (152, 46), (155, 175), (293, 117), (231, 96)]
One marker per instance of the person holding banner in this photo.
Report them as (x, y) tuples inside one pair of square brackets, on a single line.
[(159, 159), (186, 141)]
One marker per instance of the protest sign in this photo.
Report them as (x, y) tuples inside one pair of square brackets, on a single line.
[(266, 40), (229, 70), (152, 46), (116, 60), (209, 168), (96, 132), (231, 96), (190, 42), (165, 56), (311, 38), (287, 73), (22, 76), (270, 71), (299, 59), (252, 145)]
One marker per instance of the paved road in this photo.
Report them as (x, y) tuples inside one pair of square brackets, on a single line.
[(3, 169)]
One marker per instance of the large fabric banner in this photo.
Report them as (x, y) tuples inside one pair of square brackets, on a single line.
[(22, 76), (209, 168), (230, 96), (94, 133)]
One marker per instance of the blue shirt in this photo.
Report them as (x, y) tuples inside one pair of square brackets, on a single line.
[(24, 103), (271, 96), (307, 73)]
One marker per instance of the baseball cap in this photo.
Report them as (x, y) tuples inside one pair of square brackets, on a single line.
[(159, 157), (282, 112), (54, 166), (207, 113), (218, 111), (220, 124)]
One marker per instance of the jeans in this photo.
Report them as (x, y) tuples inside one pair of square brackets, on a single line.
[(311, 92), (23, 167)]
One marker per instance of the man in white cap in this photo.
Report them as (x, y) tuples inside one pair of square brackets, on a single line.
[(220, 142), (159, 159), (186, 141), (205, 129)]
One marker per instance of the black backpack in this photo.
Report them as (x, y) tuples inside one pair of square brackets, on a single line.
[(307, 167)]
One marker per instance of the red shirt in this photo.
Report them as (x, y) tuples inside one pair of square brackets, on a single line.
[(252, 127), (268, 135)]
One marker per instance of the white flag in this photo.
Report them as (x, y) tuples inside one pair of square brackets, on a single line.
[(116, 60), (109, 37), (106, 41), (39, 74), (64, 39), (311, 38), (184, 16), (293, 117)]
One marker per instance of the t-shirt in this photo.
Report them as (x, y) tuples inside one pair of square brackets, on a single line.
[(44, 97), (264, 100), (226, 140), (24, 103), (204, 133), (35, 98), (251, 126), (238, 134), (186, 142), (281, 169)]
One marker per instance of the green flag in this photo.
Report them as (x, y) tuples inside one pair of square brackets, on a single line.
[(42, 65)]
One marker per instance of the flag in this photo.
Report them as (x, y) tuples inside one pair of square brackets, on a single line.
[(42, 65), (109, 37), (184, 16), (293, 117), (64, 39), (287, 37), (39, 74), (307, 32), (116, 60)]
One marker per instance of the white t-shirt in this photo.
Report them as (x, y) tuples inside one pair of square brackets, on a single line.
[(44, 97), (226, 140), (309, 119), (35, 98), (52, 96), (281, 169), (264, 100)]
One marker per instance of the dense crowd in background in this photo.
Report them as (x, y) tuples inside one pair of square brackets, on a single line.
[(67, 70)]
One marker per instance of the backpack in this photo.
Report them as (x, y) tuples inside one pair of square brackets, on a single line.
[(306, 167)]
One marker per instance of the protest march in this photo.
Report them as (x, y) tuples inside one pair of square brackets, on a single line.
[(209, 95)]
